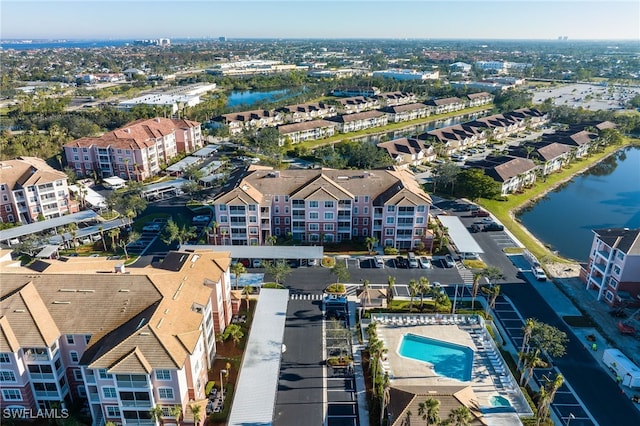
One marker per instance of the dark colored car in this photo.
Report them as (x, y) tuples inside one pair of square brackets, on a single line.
[(401, 262), (480, 213), (493, 227), (475, 228)]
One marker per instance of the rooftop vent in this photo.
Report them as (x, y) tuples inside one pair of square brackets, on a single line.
[(119, 268), (61, 302)]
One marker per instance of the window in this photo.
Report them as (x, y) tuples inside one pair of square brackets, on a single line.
[(252, 207), (388, 231), (365, 232), (366, 198), (11, 395), (355, 210), (314, 227), (102, 373), (313, 215), (328, 204), (253, 219), (365, 221), (328, 215), (286, 198), (109, 392), (419, 219), (616, 269), (165, 393), (390, 220), (366, 210), (327, 227), (388, 243), (87, 337), (276, 209), (277, 231), (286, 209), (113, 411), (77, 374), (355, 232), (4, 358), (163, 375), (313, 204), (222, 207), (253, 230), (419, 232), (7, 376), (287, 221), (355, 199), (276, 199), (82, 392), (355, 220), (620, 255), (224, 219), (421, 209), (276, 221), (391, 209), (74, 357), (70, 339)]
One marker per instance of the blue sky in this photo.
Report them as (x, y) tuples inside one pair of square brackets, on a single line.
[(474, 19)]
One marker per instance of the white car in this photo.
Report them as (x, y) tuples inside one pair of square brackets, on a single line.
[(257, 263), (424, 262), (538, 272), (379, 260), (448, 260)]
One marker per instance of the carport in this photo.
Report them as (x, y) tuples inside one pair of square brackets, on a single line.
[(264, 252), (461, 238)]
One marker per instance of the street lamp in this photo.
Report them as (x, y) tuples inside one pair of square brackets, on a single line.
[(222, 384), (571, 417)]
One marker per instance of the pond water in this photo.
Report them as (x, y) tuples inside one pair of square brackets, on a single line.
[(605, 196), (251, 97)]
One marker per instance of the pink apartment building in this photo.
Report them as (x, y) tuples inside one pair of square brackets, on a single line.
[(323, 206), (119, 342), (31, 189), (136, 151)]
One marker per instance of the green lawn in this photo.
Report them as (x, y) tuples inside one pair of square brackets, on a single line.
[(505, 210)]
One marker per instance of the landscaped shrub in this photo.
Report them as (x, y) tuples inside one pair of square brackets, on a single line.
[(336, 288), (207, 389), (328, 262), (272, 285), (390, 251), (339, 360)]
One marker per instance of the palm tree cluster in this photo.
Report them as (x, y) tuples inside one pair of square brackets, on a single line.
[(538, 339), (422, 287), (380, 382)]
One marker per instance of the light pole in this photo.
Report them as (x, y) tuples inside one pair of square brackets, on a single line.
[(571, 417), (222, 385)]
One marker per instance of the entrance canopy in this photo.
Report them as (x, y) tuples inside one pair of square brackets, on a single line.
[(460, 236)]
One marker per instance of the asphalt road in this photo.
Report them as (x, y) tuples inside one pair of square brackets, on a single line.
[(301, 388)]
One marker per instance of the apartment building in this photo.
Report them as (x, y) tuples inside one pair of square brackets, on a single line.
[(323, 206), (512, 173), (250, 120), (613, 269), (151, 344), (444, 105), (406, 112), (307, 130), (304, 112), (136, 151), (359, 121), (408, 151), (30, 189)]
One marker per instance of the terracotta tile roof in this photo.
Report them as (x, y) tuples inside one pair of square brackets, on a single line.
[(135, 135), (27, 171), (148, 322), (404, 399), (305, 125)]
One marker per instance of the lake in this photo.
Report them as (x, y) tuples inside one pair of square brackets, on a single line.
[(605, 196), (250, 97)]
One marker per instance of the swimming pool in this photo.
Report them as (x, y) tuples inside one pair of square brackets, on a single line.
[(499, 401), (448, 359), (247, 279)]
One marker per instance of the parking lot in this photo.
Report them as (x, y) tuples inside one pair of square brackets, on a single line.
[(588, 96)]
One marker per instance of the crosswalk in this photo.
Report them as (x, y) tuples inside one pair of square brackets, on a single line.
[(306, 296)]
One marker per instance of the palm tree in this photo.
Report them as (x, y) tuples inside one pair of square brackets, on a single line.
[(113, 234), (530, 361), (365, 290), (527, 331), (474, 289), (460, 416), (546, 396), (370, 242), (196, 411), (376, 351), (176, 412), (104, 243), (247, 290), (238, 269), (156, 414), (492, 293), (391, 281), (425, 287), (430, 411), (407, 418), (385, 385), (414, 288), (271, 240)]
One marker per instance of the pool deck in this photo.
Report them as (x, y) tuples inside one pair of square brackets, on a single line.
[(490, 376)]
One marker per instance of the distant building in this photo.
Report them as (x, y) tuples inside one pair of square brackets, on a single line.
[(136, 151), (405, 74), (250, 67), (613, 269), (348, 92), (151, 345), (173, 100), (30, 189)]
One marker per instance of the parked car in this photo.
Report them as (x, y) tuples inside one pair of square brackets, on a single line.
[(538, 272), (425, 263), (378, 261), (475, 228), (493, 227), (401, 262), (256, 263), (480, 213), (449, 262), (200, 219), (151, 227)]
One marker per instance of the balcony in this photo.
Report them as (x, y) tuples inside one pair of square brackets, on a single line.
[(130, 384), (596, 280), (136, 403), (603, 253), (601, 267), (299, 229), (377, 215), (42, 376), (47, 394)]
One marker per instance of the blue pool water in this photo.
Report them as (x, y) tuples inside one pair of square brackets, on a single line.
[(499, 401), (254, 280), (448, 359)]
